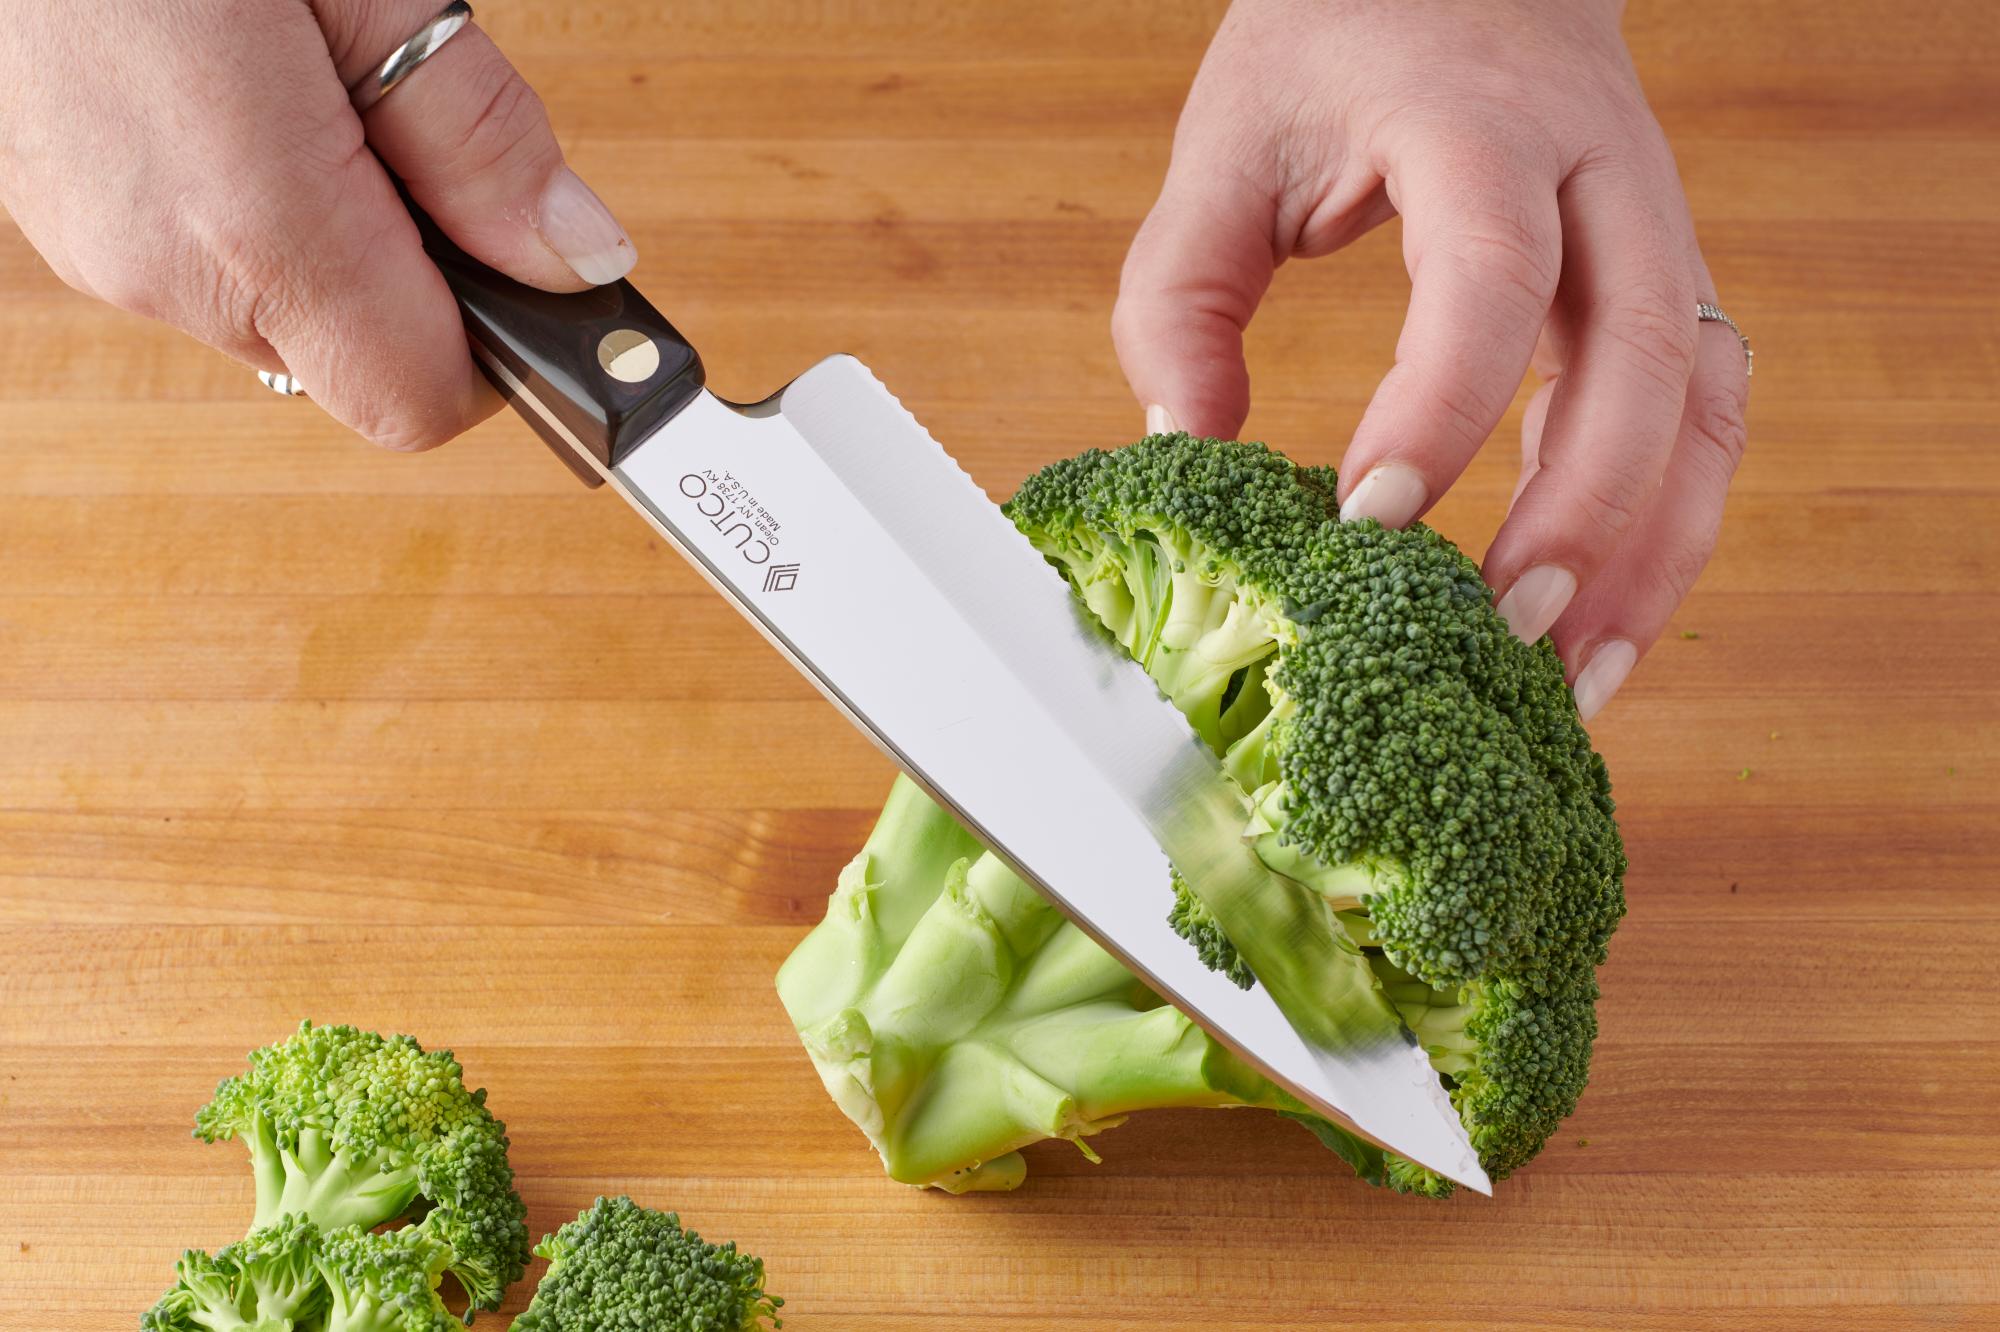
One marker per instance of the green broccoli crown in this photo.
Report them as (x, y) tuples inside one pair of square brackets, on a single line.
[(264, 1282), (351, 1128), (384, 1281), (620, 1265), (1399, 751)]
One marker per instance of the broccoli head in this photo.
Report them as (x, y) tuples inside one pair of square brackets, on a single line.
[(265, 1282), (620, 1265), (349, 1128), (1399, 752), (1414, 778)]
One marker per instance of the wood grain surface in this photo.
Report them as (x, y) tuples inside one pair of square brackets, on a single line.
[(446, 744)]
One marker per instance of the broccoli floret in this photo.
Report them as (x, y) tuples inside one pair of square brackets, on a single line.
[(384, 1281), (350, 1128), (620, 1265), (264, 1283), (1437, 828), (1399, 751), (1193, 921)]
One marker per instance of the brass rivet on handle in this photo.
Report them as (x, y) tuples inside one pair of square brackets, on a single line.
[(628, 355)]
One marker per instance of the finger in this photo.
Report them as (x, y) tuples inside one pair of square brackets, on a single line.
[(1613, 414), (472, 141), (362, 319), (1197, 269), (1483, 257), (1630, 602)]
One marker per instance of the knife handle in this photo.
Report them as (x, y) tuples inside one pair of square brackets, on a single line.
[(594, 372)]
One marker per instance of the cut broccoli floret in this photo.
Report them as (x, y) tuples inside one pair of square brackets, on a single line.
[(384, 1281), (346, 1127), (265, 1282), (1411, 760), (620, 1265), (1193, 921), (1437, 828)]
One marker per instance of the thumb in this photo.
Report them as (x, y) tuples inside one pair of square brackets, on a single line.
[(1197, 269), (471, 140)]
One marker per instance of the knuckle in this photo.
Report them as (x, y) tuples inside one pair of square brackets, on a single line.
[(1611, 504), (129, 287), (404, 416), (1464, 412), (1674, 575), (1512, 256), (1717, 425), (1651, 328), (404, 435), (510, 127), (253, 291)]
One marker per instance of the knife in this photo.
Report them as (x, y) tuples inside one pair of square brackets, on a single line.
[(834, 522)]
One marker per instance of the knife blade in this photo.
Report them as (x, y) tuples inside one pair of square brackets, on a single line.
[(831, 519)]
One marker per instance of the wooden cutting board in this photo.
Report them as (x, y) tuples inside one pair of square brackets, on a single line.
[(448, 745)]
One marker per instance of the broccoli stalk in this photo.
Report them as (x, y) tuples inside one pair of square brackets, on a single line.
[(304, 1174), (956, 1016)]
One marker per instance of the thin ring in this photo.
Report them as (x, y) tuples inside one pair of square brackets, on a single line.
[(1712, 314), (403, 61)]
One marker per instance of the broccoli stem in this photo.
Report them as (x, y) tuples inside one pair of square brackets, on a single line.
[(996, 1024), (330, 1185)]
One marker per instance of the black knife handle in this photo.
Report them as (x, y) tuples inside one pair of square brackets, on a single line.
[(596, 371)]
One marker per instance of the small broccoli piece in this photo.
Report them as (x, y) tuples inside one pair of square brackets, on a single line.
[(350, 1128), (266, 1282), (620, 1265), (384, 1281), (1193, 921)]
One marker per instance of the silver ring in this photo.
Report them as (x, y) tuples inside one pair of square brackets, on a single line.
[(1705, 313), (402, 61), (284, 384)]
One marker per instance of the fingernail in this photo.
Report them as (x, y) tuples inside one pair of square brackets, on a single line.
[(580, 229), (1390, 494), (1600, 678), (1536, 599), (1159, 421)]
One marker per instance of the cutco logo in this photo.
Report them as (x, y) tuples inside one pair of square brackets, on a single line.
[(723, 499)]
